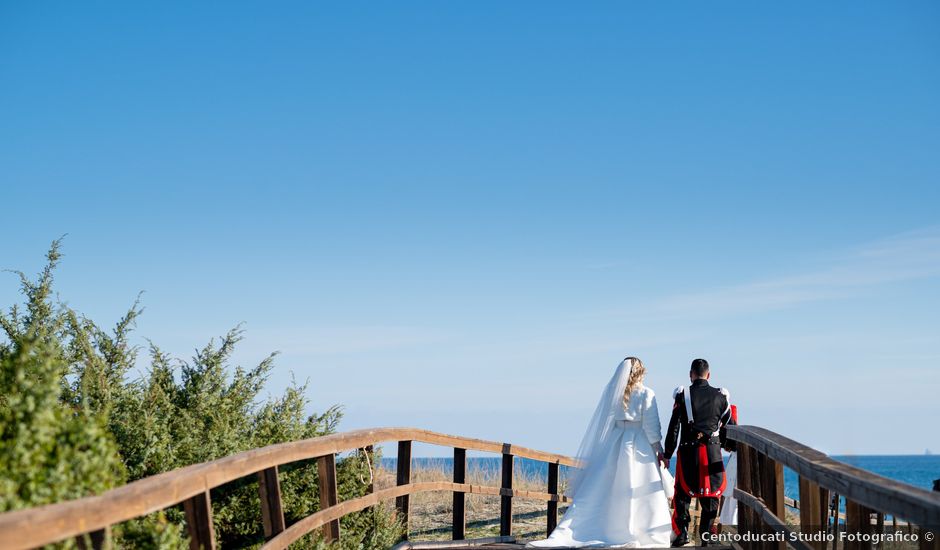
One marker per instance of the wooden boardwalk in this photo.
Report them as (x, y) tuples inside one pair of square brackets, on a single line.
[(514, 546), (762, 455), (497, 543)]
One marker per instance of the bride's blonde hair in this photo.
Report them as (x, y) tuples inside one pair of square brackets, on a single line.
[(636, 378)]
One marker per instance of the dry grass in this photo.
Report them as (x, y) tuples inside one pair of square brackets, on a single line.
[(431, 513)]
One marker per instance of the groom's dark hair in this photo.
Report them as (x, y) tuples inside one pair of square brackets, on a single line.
[(699, 367)]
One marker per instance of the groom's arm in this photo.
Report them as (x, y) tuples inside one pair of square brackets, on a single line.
[(672, 432), (727, 419)]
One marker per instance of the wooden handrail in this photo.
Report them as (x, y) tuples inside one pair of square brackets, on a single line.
[(42, 525), (866, 488), (776, 524), (762, 455)]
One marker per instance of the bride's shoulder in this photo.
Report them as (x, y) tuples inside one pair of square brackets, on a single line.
[(646, 393)]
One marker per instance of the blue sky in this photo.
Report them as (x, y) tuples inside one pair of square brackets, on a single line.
[(462, 216)]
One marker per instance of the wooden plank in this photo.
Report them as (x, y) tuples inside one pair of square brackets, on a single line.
[(445, 440), (198, 510), (488, 542), (746, 523), (768, 518), (757, 490), (505, 501), (866, 488), (810, 513), (835, 520), (857, 521), (552, 514), (326, 471), (852, 523), (459, 522), (403, 477), (32, 527), (931, 534), (823, 518), (269, 491), (771, 473)]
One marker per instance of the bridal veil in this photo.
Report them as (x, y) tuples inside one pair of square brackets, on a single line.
[(598, 437)]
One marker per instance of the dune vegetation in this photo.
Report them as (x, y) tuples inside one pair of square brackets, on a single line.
[(83, 409)]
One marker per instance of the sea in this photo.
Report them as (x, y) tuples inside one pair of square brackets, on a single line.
[(917, 470)]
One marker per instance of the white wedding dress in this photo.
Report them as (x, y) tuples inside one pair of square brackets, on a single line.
[(620, 495)]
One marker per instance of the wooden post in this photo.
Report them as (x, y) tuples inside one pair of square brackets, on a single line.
[(460, 498), (771, 484), (772, 488), (852, 523), (810, 511), (745, 514), (269, 489), (925, 533), (505, 504), (552, 519), (403, 478), (757, 487), (857, 521), (823, 509), (198, 510), (326, 471), (823, 518), (95, 540), (835, 521)]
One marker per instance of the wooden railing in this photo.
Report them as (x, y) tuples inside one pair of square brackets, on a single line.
[(190, 486), (869, 497), (762, 455)]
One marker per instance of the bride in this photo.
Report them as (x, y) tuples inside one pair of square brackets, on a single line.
[(620, 491)]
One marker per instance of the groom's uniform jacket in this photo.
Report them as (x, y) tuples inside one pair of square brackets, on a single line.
[(700, 471)]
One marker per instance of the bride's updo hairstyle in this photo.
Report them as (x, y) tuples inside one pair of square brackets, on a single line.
[(636, 378)]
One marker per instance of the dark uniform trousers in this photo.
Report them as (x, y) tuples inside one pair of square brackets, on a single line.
[(709, 507), (699, 474)]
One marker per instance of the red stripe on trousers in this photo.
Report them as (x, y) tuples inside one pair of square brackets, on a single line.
[(704, 479)]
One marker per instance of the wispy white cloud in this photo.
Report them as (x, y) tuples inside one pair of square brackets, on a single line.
[(904, 257)]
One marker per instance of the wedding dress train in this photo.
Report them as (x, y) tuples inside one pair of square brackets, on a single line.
[(620, 496)]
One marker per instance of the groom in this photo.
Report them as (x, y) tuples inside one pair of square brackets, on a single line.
[(699, 416)]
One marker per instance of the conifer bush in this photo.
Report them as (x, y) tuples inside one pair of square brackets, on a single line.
[(79, 417)]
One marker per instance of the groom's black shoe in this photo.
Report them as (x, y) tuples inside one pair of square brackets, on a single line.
[(681, 540), (709, 536)]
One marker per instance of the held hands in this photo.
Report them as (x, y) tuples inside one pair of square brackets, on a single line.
[(662, 460), (660, 457)]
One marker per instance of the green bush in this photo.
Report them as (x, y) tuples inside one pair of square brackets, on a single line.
[(75, 422)]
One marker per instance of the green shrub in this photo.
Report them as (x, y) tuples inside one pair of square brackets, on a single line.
[(74, 421)]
